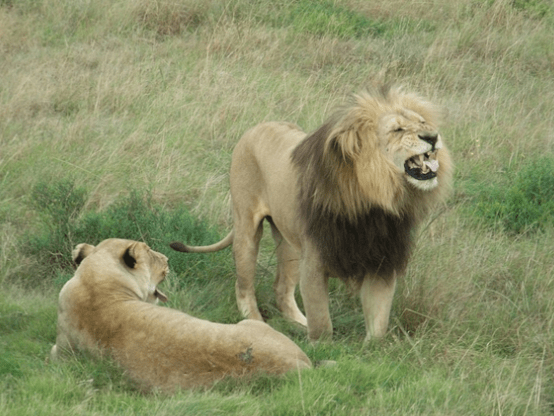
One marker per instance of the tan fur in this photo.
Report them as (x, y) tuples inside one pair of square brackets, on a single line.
[(108, 307), (322, 193)]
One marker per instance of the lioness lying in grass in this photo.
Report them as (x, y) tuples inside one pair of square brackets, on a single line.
[(108, 307)]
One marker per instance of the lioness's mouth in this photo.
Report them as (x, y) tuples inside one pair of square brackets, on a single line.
[(160, 295), (422, 167)]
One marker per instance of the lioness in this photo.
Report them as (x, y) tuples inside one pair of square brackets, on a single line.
[(108, 307), (341, 201)]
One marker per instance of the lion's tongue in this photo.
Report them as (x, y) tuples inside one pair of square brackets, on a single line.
[(431, 165), (160, 295), (424, 163)]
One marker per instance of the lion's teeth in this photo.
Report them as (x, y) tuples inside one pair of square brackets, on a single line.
[(417, 161)]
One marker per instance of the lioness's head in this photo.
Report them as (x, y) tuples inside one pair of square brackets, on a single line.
[(148, 267)]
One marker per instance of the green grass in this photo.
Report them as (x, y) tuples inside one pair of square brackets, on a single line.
[(118, 119), (523, 203), (326, 18)]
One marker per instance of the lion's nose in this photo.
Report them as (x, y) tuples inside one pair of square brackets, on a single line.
[(430, 137)]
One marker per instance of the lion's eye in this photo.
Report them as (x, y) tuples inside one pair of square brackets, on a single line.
[(398, 129)]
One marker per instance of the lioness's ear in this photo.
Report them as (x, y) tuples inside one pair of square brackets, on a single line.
[(128, 258), (80, 252), (133, 253)]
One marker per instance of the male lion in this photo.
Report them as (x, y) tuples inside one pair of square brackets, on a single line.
[(109, 307), (341, 202)]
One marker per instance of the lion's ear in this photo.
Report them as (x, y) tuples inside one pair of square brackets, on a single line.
[(80, 252)]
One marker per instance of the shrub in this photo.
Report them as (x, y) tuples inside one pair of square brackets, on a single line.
[(134, 217), (60, 201), (58, 204)]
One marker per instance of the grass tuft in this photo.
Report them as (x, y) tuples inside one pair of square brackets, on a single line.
[(324, 17), (535, 8), (170, 17)]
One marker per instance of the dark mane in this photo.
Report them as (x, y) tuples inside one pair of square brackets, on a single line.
[(377, 242), (356, 206), (323, 174), (373, 240)]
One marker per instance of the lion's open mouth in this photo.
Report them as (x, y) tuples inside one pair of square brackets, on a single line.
[(422, 167)]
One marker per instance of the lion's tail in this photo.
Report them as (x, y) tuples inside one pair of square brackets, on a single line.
[(226, 242)]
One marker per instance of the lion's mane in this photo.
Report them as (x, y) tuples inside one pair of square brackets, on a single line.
[(362, 223)]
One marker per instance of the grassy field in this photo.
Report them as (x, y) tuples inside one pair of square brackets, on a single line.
[(118, 119)]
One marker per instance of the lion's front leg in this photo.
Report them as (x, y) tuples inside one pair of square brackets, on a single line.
[(314, 289), (377, 294)]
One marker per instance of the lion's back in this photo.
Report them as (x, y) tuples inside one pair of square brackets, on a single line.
[(267, 143), (261, 167)]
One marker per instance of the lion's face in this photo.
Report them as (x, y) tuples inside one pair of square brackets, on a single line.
[(413, 145)]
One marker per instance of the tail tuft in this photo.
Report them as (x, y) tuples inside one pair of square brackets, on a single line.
[(178, 246)]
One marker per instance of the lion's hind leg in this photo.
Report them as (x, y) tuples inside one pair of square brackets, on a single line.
[(287, 278), (245, 250)]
